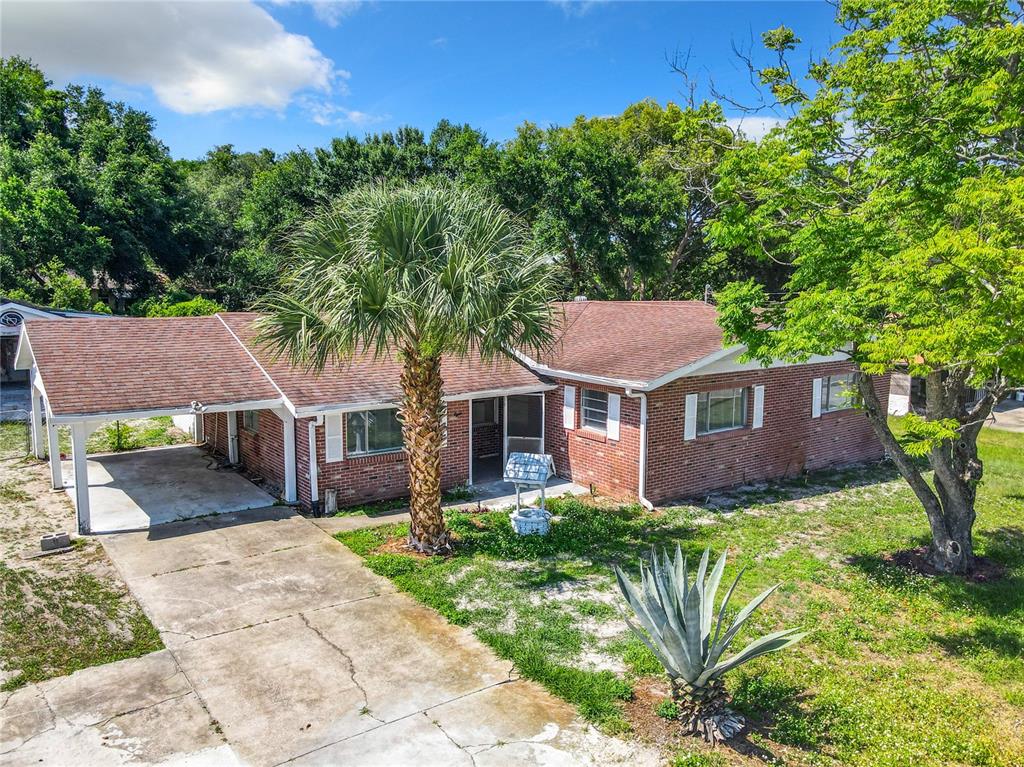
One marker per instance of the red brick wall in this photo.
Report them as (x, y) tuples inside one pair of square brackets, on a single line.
[(260, 452), (375, 477), (589, 458), (789, 442)]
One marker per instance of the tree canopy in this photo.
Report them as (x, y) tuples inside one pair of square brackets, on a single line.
[(896, 194), (622, 202)]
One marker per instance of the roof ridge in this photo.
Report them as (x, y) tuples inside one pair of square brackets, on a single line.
[(288, 403)]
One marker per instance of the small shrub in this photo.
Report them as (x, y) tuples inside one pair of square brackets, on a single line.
[(668, 709)]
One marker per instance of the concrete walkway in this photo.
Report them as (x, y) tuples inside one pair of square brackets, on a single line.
[(282, 648)]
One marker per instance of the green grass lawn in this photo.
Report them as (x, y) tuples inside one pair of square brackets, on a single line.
[(898, 668)]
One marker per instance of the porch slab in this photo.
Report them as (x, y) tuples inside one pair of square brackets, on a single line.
[(502, 495), (141, 488)]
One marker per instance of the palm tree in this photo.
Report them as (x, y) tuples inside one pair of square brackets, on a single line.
[(421, 271)]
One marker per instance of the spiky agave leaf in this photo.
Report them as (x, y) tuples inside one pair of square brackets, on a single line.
[(676, 618)]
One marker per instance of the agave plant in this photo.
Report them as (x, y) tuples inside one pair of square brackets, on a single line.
[(679, 623)]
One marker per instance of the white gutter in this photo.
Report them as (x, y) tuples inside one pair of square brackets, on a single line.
[(380, 404), (265, 404), (641, 485)]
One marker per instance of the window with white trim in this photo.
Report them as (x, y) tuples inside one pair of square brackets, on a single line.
[(372, 431), (595, 409), (721, 410), (838, 393), (251, 420)]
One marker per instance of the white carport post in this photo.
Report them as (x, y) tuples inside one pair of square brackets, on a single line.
[(38, 442), (79, 433), (291, 494), (232, 436), (53, 446)]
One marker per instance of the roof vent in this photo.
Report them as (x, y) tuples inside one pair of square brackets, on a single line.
[(578, 299)]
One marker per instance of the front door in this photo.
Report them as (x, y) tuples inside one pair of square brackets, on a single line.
[(524, 424)]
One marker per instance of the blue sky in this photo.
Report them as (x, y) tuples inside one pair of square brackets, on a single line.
[(288, 73)]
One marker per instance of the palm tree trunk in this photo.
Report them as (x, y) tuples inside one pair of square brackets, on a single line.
[(423, 434)]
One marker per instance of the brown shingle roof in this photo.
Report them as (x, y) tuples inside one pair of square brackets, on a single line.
[(635, 341), (123, 364), (365, 379), (126, 364)]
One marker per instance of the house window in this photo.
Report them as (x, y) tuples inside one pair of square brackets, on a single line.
[(485, 412), (595, 409), (373, 431), (721, 410), (838, 392), (251, 420)]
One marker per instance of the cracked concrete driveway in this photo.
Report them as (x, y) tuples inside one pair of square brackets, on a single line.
[(283, 648)]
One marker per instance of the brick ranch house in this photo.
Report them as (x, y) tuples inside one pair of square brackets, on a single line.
[(639, 400)]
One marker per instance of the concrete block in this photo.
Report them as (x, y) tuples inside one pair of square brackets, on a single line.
[(53, 541)]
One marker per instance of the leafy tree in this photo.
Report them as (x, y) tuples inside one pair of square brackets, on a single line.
[(623, 200), (423, 272), (66, 291), (897, 195)]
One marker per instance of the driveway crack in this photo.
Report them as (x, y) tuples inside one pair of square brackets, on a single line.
[(451, 740), (351, 668)]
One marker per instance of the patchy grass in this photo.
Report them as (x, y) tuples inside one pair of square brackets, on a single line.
[(63, 612), (52, 625), (898, 668)]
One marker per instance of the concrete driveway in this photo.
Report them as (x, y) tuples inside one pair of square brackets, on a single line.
[(140, 488), (1008, 415), (299, 654)]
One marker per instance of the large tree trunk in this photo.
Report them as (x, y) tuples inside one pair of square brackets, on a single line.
[(957, 468), (422, 416)]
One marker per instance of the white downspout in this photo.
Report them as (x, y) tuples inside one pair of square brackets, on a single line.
[(641, 484), (314, 479)]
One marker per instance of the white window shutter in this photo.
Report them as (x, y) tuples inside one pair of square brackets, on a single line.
[(569, 407), (816, 399), (333, 438), (690, 417), (612, 425), (758, 421)]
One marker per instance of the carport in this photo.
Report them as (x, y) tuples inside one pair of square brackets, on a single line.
[(88, 372), (137, 489)]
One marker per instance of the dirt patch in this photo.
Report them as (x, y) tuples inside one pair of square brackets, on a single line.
[(399, 544), (985, 570), (63, 611), (642, 713)]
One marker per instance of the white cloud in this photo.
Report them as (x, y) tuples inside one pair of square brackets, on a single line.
[(577, 8), (327, 113), (196, 57), (755, 127), (330, 12)]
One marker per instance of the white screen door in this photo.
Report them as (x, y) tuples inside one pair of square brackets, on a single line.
[(524, 422)]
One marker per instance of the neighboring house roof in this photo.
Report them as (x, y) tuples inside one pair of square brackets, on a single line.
[(123, 364), (631, 342), (365, 380), (13, 312), (126, 364)]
